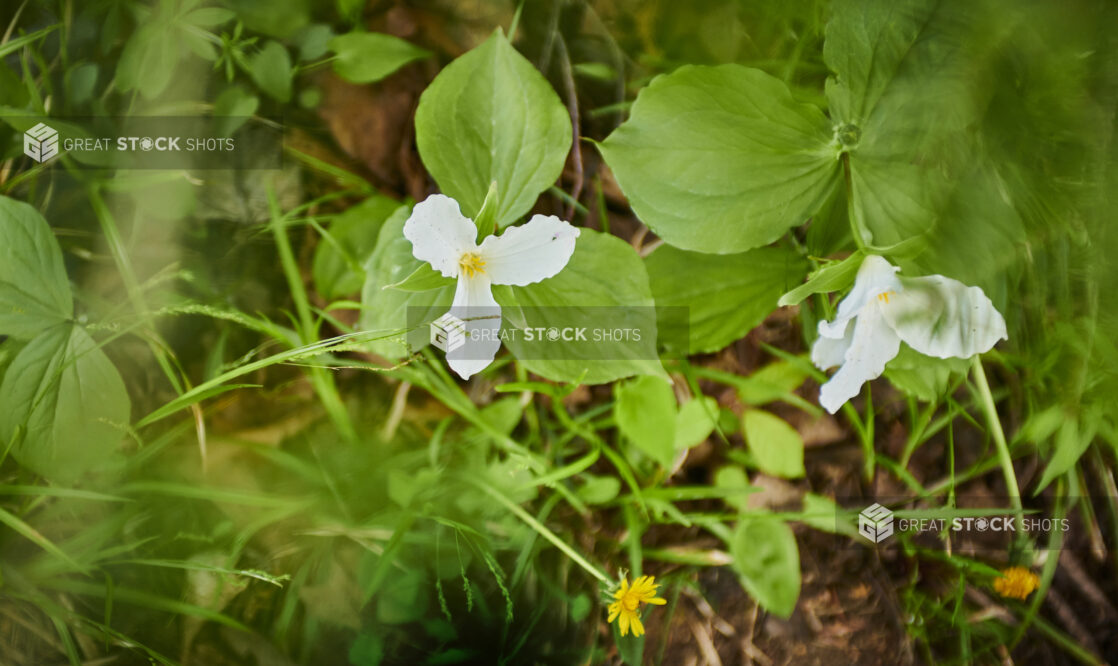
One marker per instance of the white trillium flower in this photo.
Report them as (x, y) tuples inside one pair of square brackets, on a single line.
[(935, 315), (445, 238)]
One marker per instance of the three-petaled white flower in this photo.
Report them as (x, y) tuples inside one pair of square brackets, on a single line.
[(443, 237), (935, 315)]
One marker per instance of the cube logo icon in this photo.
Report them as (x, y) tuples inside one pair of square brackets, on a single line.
[(875, 523), (40, 143), (448, 333)]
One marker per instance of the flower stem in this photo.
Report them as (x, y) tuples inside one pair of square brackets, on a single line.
[(1004, 459)]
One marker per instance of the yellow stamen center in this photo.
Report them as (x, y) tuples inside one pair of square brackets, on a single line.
[(884, 296), (630, 601), (471, 264)]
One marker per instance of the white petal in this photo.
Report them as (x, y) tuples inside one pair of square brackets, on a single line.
[(828, 352), (529, 253), (875, 276), (440, 234), (872, 345), (941, 317), (475, 306)]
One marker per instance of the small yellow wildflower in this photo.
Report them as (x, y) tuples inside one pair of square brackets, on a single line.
[(629, 600), (1016, 583)]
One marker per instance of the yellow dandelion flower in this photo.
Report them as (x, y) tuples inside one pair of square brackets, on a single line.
[(629, 600), (1016, 583)]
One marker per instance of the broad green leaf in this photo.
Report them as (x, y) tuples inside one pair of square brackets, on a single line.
[(271, 71), (646, 414), (726, 295), (823, 514), (34, 290), (923, 377), (387, 310), (695, 422), (338, 260), (490, 116), (1069, 445), (722, 159), (232, 108), (599, 489), (365, 57), (733, 478), (835, 276), (776, 446), (768, 563), (149, 59), (66, 402), (865, 44), (772, 382), (275, 19), (604, 285)]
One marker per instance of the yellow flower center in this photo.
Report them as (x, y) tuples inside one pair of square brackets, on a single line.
[(884, 296), (471, 265), (1016, 583), (629, 602)]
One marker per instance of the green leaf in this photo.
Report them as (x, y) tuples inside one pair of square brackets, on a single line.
[(1068, 447), (599, 489), (338, 260), (646, 414), (695, 422), (424, 278), (865, 44), (824, 514), (208, 17), (772, 382), (923, 377), (271, 71), (365, 57), (767, 560), (776, 446), (149, 59), (726, 295), (232, 108), (68, 402), (490, 116), (604, 285), (386, 310), (733, 478), (722, 159), (834, 276), (34, 290)]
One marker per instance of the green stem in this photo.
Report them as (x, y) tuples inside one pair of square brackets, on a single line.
[(544, 532), (1004, 459), (321, 380)]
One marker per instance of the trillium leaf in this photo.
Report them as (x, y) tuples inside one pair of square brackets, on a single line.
[(776, 446), (726, 295), (722, 159), (489, 116), (767, 560), (34, 290), (605, 287), (65, 405), (646, 414), (337, 268), (386, 311), (365, 57)]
